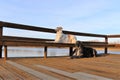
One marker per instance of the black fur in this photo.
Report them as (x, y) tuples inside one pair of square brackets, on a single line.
[(88, 52), (85, 51)]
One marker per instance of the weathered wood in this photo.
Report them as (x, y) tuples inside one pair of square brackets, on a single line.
[(51, 44), (5, 53), (106, 48), (70, 51), (28, 43), (97, 66), (84, 34), (34, 28), (0, 51), (15, 38), (113, 36), (1, 32), (93, 43), (27, 27), (7, 73), (23, 41), (45, 52)]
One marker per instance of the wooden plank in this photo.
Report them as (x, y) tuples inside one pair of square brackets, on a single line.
[(1, 43), (1, 33), (24, 39), (23, 43), (34, 28), (5, 53), (45, 52), (38, 74), (70, 51), (93, 43), (113, 36), (0, 51), (14, 38), (84, 34), (7, 75), (101, 46), (47, 41), (75, 75), (27, 27), (96, 66), (106, 49), (51, 44)]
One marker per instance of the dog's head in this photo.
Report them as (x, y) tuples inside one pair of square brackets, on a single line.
[(58, 29), (79, 44)]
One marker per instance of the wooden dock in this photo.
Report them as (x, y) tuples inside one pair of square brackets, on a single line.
[(105, 67)]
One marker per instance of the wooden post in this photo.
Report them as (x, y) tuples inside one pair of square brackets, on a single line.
[(1, 32), (70, 51), (5, 53), (0, 51), (45, 52), (106, 48)]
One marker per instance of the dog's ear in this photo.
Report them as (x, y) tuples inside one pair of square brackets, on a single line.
[(80, 43), (77, 44)]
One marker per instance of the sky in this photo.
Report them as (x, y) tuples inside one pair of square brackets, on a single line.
[(90, 16)]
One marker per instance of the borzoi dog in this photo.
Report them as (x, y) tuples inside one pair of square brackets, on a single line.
[(82, 51), (64, 38)]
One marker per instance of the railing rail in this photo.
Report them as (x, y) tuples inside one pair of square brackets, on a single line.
[(114, 36), (16, 41), (41, 29)]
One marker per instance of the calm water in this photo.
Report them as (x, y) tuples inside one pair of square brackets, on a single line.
[(36, 52)]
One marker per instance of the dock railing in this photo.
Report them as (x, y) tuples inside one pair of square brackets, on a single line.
[(24, 41)]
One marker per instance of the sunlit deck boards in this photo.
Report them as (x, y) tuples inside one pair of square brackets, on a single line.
[(105, 66)]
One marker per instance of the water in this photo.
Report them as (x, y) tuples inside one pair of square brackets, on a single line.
[(35, 52), (39, 52)]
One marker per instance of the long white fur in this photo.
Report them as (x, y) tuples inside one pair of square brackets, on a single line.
[(64, 38)]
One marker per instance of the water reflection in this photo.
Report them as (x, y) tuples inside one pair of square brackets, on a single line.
[(39, 52)]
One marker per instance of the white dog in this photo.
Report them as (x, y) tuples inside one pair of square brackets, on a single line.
[(64, 38)]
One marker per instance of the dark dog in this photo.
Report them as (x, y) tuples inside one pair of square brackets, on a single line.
[(88, 52), (82, 51)]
